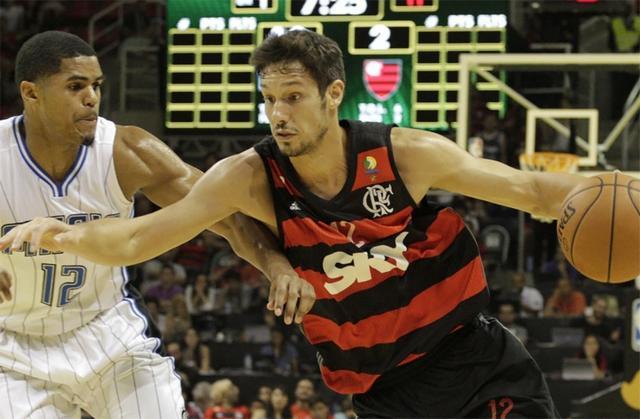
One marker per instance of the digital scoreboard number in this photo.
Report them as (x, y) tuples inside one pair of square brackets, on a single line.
[(401, 57)]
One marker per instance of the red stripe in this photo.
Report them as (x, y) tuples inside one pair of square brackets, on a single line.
[(347, 382), (305, 231), (388, 78), (440, 235), (411, 358), (279, 179), (308, 232), (425, 308)]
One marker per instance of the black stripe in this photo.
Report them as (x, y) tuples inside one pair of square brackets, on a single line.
[(382, 357), (398, 291)]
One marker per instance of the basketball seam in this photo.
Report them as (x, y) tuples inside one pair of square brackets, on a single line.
[(629, 189), (613, 223), (584, 214), (599, 186)]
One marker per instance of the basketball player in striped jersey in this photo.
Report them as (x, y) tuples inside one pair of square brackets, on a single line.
[(399, 284), (70, 336)]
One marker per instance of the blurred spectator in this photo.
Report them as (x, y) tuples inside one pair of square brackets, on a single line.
[(529, 299), (346, 407), (152, 269), (301, 407), (177, 321), (507, 316), (12, 16), (258, 410), (167, 289), (187, 374), (50, 16), (278, 409), (199, 296), (279, 356), (592, 351), (494, 143), (193, 255), (153, 307), (234, 295), (195, 353), (201, 401), (264, 394), (320, 409), (224, 398), (596, 322), (565, 301)]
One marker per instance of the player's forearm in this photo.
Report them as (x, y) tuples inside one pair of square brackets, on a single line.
[(254, 243), (121, 242), (552, 189)]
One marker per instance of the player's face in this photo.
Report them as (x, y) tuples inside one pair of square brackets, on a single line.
[(297, 113), (69, 101)]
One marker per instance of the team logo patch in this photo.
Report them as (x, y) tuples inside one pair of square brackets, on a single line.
[(370, 164), (382, 77), (377, 200)]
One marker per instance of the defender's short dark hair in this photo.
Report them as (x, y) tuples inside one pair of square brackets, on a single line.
[(321, 56), (41, 55)]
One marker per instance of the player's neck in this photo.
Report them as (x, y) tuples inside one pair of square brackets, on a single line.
[(54, 155), (324, 170)]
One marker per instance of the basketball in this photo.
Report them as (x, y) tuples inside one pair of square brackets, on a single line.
[(599, 228)]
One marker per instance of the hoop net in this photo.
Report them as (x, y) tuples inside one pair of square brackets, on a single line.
[(551, 162)]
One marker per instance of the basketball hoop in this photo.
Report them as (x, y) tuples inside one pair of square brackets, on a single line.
[(547, 161)]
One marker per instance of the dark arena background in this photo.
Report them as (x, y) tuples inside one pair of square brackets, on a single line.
[(509, 80)]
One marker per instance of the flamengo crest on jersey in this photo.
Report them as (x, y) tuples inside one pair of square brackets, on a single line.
[(55, 293), (392, 279)]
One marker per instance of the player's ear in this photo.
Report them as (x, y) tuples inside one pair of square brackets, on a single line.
[(336, 93), (28, 91)]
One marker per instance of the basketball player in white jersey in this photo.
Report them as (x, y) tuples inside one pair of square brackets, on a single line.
[(70, 337)]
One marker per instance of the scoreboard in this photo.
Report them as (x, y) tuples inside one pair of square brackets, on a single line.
[(401, 57)]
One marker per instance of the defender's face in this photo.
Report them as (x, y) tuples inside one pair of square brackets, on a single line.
[(69, 101), (297, 114)]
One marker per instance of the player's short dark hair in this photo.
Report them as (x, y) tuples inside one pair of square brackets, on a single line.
[(320, 56), (41, 55)]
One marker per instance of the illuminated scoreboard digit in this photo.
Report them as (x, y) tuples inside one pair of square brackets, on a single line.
[(401, 57), (335, 10)]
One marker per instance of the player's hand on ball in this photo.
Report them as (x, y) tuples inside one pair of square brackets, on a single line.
[(291, 295), (40, 233), (5, 286)]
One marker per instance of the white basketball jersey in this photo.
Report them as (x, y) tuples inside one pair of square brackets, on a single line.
[(55, 293)]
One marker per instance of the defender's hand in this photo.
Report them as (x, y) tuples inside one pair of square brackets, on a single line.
[(292, 295), (5, 286), (39, 232)]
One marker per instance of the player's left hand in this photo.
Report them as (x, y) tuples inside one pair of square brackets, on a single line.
[(5, 286), (291, 295), (39, 233)]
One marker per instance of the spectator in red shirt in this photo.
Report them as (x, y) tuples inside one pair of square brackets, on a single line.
[(565, 301), (224, 397), (304, 393)]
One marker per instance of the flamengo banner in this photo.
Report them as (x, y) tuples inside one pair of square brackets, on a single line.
[(382, 77)]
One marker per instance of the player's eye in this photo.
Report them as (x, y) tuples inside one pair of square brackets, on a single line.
[(268, 99), (75, 87), (294, 97), (97, 86)]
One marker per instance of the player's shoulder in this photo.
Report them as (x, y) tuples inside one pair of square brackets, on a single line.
[(409, 142), (242, 166), (131, 136)]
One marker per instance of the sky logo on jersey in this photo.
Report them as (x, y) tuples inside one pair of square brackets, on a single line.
[(382, 78)]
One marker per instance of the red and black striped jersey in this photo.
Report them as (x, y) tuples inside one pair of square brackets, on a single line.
[(392, 278)]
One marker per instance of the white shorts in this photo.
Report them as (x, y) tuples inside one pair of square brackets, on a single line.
[(107, 367)]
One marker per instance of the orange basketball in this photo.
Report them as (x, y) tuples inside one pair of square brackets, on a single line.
[(599, 227)]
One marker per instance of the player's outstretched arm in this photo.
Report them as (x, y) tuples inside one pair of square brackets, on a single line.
[(145, 163), (126, 242), (429, 160)]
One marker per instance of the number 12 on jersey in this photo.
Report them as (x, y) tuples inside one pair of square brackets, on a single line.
[(77, 274)]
